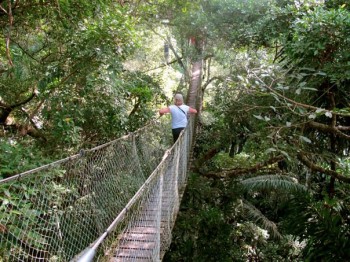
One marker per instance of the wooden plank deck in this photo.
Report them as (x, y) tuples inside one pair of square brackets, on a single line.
[(139, 242)]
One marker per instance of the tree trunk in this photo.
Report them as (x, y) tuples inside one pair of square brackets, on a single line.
[(195, 85)]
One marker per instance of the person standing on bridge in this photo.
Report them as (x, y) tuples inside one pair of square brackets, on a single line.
[(178, 113)]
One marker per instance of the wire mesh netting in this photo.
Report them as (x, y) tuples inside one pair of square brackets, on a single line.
[(55, 212)]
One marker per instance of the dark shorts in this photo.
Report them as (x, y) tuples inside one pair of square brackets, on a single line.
[(176, 133)]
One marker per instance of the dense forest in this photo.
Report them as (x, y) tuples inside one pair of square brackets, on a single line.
[(269, 179)]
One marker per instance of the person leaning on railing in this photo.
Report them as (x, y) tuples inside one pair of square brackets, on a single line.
[(178, 113)]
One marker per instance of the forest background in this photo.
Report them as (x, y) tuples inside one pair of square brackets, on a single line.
[(270, 176)]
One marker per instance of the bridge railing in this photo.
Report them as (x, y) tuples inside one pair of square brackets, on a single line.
[(142, 231), (89, 200), (53, 212)]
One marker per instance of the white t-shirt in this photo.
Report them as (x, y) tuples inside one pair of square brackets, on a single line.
[(178, 117)]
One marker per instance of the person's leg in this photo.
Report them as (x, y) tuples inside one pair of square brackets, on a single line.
[(176, 133)]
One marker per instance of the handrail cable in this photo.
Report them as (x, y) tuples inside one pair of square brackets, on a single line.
[(117, 200)]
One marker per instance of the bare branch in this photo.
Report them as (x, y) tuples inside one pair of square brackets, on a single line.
[(242, 171), (26, 52), (8, 38), (7, 109), (343, 128), (295, 102), (328, 129), (3, 9), (211, 80), (177, 56), (24, 101), (303, 158), (163, 65), (30, 117)]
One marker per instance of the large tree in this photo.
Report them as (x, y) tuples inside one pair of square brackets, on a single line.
[(281, 97), (63, 82)]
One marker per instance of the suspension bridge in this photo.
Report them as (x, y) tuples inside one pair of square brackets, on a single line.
[(115, 202)]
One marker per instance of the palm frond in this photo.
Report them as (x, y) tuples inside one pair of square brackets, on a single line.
[(254, 214), (273, 182)]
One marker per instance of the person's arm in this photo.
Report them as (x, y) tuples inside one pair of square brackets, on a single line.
[(192, 110), (164, 110)]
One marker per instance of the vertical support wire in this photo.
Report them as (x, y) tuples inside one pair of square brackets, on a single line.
[(159, 215)]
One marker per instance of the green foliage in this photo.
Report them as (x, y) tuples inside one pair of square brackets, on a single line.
[(17, 157), (321, 42), (328, 235), (266, 97), (143, 93), (337, 4), (322, 225), (201, 233), (54, 209), (68, 81), (215, 224), (225, 161), (273, 182), (71, 55), (26, 211)]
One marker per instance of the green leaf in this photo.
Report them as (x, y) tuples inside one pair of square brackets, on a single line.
[(7, 193), (269, 150), (258, 117), (305, 139)]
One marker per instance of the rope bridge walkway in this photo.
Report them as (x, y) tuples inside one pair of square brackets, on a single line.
[(114, 202)]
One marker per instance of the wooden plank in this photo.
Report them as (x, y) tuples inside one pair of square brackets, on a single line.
[(133, 250), (143, 230), (137, 237), (126, 259), (146, 223), (130, 255), (139, 242), (137, 245)]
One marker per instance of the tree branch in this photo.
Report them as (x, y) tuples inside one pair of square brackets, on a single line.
[(328, 129), (7, 109), (302, 157), (8, 38), (26, 130), (25, 51), (30, 117), (3, 9), (295, 102), (136, 107), (343, 128), (211, 80), (163, 65), (24, 101), (199, 162), (242, 171), (177, 56)]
